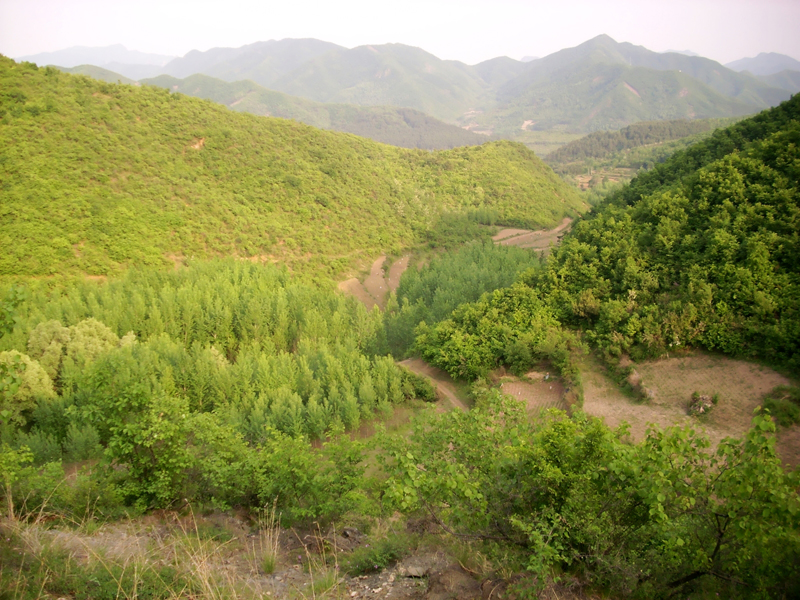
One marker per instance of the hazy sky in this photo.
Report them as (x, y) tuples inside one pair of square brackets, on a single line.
[(466, 30)]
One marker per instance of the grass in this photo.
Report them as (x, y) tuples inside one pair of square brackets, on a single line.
[(268, 539), (378, 555)]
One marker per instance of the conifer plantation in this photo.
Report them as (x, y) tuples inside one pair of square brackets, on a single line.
[(215, 371)]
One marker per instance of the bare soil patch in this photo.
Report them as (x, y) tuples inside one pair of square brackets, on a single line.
[(537, 240), (741, 386), (442, 381), (354, 287), (375, 283), (507, 233), (632, 89), (537, 392), (376, 287)]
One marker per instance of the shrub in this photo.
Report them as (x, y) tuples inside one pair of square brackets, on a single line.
[(376, 556), (783, 403)]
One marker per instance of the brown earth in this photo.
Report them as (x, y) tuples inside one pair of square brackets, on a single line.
[(539, 391), (740, 385), (376, 287), (542, 239), (354, 287)]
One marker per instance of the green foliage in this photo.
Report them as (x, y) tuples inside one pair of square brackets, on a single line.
[(305, 484), (417, 386), (783, 403), (639, 520), (402, 127), (376, 556), (687, 256), (138, 176), (431, 293), (34, 384), (482, 335)]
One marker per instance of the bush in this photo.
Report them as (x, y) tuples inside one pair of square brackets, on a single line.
[(783, 403), (417, 386), (376, 556)]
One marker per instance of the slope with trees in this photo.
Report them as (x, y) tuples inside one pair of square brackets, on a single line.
[(97, 177), (700, 251), (402, 127)]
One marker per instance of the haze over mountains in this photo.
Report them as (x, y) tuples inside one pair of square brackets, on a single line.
[(766, 63), (598, 85)]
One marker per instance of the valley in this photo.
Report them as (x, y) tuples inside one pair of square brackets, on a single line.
[(248, 352), (406, 96)]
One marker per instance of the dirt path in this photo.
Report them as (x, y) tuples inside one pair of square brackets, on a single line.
[(376, 287), (536, 240), (441, 380)]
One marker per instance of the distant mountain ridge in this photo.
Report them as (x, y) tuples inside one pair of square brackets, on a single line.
[(598, 85), (402, 127), (766, 63), (114, 55)]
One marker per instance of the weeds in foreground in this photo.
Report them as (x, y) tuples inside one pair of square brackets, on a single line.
[(266, 555)]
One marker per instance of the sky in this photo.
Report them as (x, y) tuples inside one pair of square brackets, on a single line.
[(467, 30)]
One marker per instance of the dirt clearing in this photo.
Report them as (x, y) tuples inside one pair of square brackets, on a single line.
[(539, 391), (542, 239), (740, 385)]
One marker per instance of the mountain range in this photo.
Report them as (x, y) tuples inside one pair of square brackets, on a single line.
[(766, 63), (598, 85), (403, 127)]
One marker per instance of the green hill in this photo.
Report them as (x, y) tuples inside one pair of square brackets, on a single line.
[(786, 80), (97, 177), (602, 96), (700, 251), (603, 159), (97, 73), (606, 51), (596, 86), (766, 63), (397, 126)]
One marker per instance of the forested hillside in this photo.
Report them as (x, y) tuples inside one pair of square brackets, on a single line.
[(98, 177), (243, 391), (700, 251), (402, 127), (601, 144)]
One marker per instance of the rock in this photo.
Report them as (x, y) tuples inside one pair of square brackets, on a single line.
[(453, 583), (351, 533), (413, 571)]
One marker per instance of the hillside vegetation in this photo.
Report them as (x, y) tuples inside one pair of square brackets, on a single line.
[(402, 127), (226, 385), (602, 144), (602, 161), (97, 177), (595, 86), (700, 251)]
